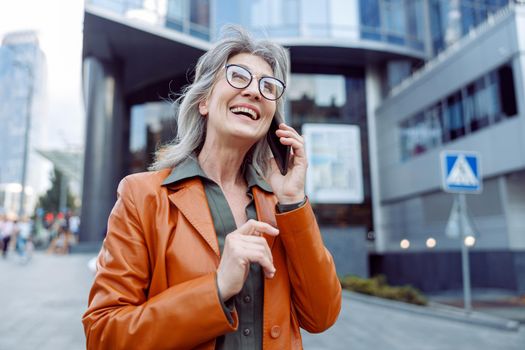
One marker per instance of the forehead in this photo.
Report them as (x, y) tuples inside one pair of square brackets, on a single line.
[(254, 63)]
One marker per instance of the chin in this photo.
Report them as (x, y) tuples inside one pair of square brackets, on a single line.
[(246, 138)]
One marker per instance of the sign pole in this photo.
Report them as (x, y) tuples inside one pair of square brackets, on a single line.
[(467, 298)]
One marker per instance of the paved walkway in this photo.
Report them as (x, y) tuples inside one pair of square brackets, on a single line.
[(42, 303)]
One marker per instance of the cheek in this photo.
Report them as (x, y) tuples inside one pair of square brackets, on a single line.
[(270, 111)]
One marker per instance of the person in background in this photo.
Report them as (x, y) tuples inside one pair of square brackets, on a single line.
[(22, 238), (9, 232), (216, 248), (5, 235)]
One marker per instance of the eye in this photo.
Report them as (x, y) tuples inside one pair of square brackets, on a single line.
[(238, 75), (269, 87)]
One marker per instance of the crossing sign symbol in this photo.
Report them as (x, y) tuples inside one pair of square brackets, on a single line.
[(461, 172)]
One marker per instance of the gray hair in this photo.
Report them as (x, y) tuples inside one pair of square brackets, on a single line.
[(191, 126)]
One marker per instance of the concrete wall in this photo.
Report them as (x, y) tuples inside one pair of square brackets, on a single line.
[(348, 247), (426, 216)]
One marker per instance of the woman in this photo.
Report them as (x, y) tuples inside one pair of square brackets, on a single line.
[(203, 253)]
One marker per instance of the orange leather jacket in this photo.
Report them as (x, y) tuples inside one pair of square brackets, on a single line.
[(155, 286)]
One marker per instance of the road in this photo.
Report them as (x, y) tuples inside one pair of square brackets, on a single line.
[(42, 303)]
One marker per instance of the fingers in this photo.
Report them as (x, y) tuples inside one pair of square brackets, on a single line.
[(250, 249), (256, 228), (242, 247), (257, 244), (290, 137), (250, 245)]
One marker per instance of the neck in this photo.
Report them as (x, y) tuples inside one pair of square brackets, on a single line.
[(222, 163)]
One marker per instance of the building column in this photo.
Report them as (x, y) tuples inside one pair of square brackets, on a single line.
[(105, 115), (373, 99)]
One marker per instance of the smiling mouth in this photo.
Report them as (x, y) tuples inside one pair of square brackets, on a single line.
[(250, 113)]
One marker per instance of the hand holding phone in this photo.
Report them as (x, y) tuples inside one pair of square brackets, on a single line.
[(280, 152)]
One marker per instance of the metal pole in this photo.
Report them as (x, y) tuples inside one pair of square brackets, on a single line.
[(21, 208), (464, 254), (62, 206)]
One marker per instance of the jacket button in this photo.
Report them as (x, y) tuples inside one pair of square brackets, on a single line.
[(247, 299), (275, 332), (246, 332)]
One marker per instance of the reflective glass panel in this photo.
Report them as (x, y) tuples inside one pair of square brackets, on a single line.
[(333, 98)]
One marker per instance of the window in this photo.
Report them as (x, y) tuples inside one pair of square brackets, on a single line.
[(175, 15), (468, 16), (200, 19), (438, 23), (191, 17), (454, 116), (415, 24), (370, 19), (483, 102), (476, 109), (317, 98), (421, 133), (152, 124), (507, 93), (493, 101), (395, 21)]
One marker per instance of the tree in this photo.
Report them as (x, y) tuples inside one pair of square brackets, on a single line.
[(50, 201)]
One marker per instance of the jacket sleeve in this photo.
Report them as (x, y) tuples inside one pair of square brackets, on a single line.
[(120, 314), (316, 290)]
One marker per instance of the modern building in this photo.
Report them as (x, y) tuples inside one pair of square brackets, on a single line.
[(22, 120), (416, 77)]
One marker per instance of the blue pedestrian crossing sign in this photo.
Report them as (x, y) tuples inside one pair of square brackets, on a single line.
[(461, 172)]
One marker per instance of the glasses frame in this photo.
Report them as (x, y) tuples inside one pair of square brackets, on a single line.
[(259, 80)]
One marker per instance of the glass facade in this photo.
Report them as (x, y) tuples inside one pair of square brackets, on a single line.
[(445, 26), (482, 102), (398, 22), (151, 125), (22, 106), (189, 17), (334, 99)]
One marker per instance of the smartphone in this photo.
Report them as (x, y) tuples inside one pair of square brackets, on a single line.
[(280, 152)]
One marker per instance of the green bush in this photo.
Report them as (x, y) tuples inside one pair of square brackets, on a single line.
[(378, 286)]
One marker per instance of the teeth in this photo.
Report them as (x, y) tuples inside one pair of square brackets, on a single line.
[(248, 111)]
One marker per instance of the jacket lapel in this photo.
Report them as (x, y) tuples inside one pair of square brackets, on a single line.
[(265, 207), (190, 199)]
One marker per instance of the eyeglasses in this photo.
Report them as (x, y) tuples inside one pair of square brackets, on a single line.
[(240, 78)]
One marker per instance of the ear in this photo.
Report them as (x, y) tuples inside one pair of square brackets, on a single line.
[(203, 107)]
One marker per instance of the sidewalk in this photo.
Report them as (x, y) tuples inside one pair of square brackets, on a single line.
[(44, 300), (492, 302)]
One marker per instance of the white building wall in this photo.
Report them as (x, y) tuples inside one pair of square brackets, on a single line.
[(414, 206)]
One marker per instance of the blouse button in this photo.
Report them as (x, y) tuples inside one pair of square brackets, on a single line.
[(275, 332)]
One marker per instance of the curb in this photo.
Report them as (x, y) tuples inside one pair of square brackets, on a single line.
[(440, 311)]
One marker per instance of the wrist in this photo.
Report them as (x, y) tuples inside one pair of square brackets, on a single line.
[(286, 200)]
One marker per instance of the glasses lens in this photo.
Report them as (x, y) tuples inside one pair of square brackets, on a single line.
[(271, 88), (238, 77)]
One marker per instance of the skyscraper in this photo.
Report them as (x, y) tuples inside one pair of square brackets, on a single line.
[(22, 117)]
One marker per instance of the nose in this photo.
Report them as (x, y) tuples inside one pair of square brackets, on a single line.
[(252, 90)]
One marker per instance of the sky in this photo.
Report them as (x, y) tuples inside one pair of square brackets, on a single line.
[(59, 26)]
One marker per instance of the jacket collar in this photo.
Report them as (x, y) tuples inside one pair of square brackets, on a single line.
[(188, 195), (190, 168)]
